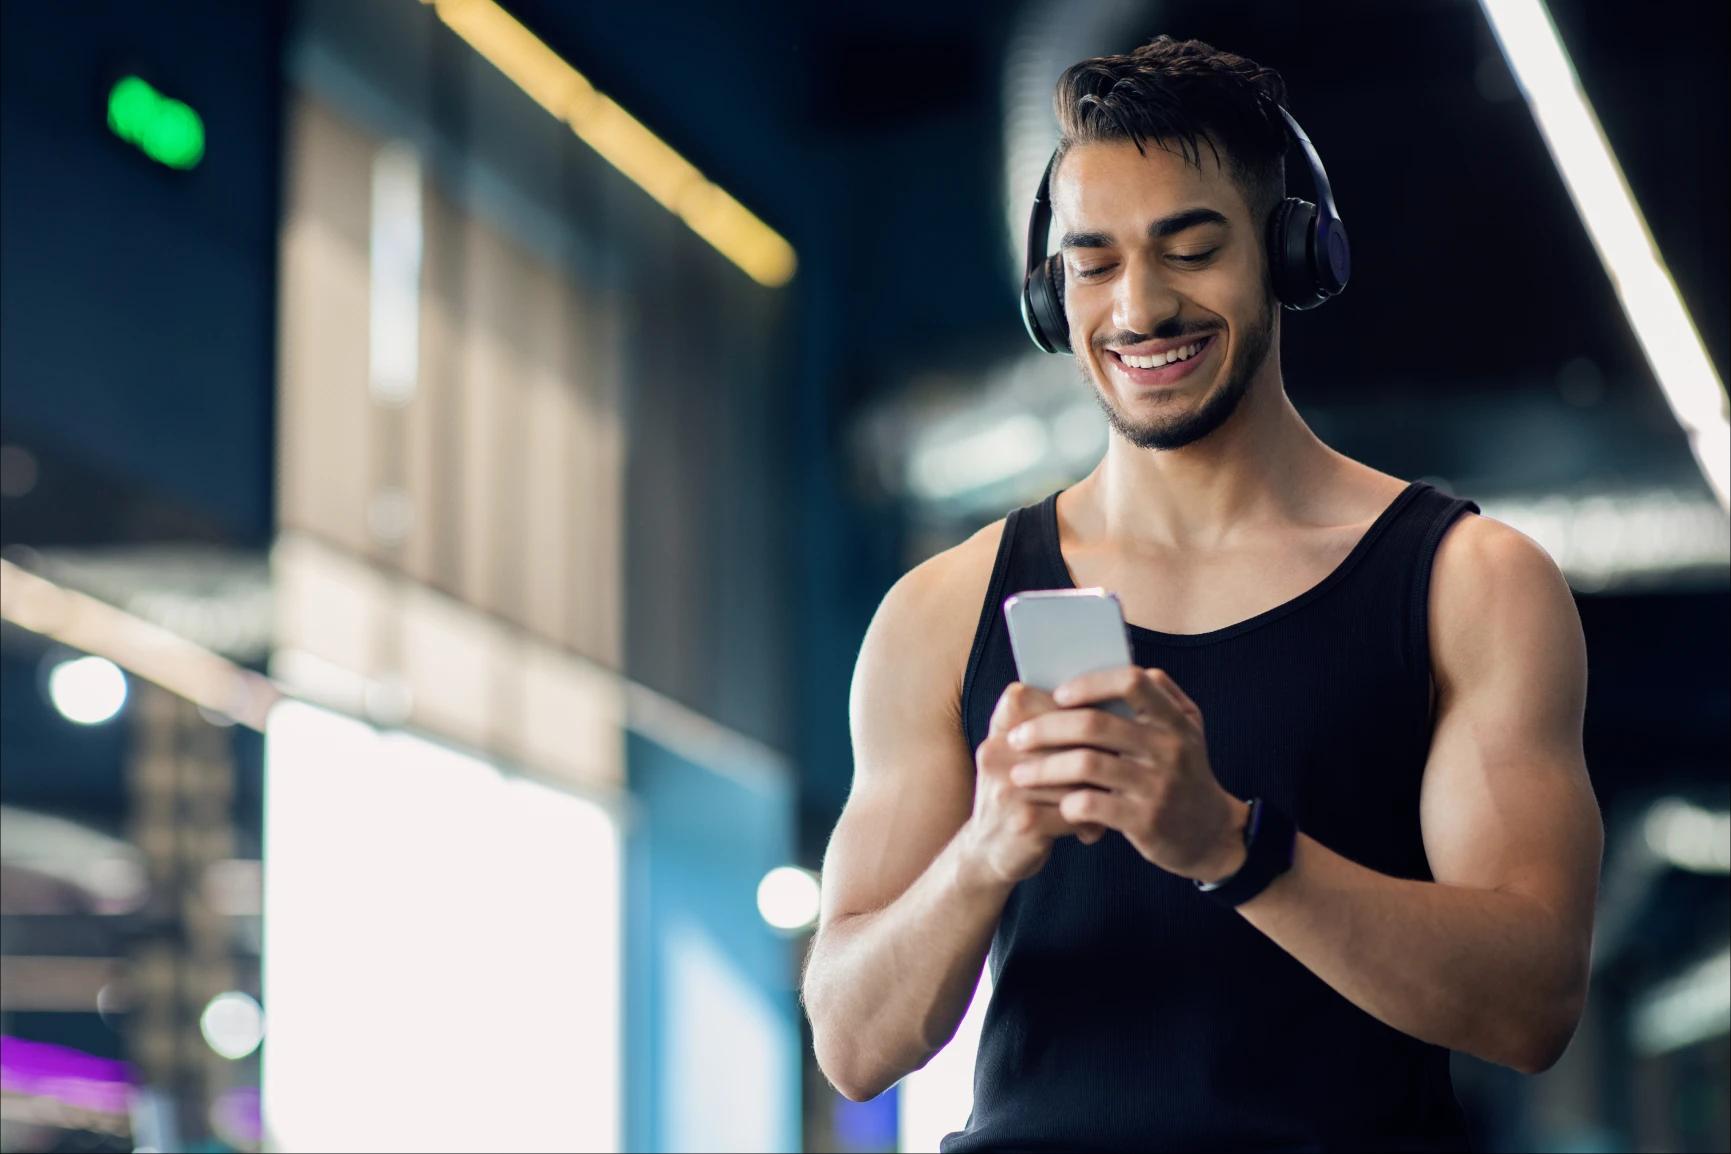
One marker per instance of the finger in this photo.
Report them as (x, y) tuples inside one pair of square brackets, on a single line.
[(1097, 807), (1190, 709), (1017, 704), (1049, 821), (996, 755), (1089, 833), (1127, 683), (1079, 767), (996, 760), (1044, 794), (1083, 725)]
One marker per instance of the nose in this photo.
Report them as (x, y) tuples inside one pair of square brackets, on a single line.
[(1143, 299)]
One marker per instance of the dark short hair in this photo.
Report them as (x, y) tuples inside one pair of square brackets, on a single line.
[(1179, 94)]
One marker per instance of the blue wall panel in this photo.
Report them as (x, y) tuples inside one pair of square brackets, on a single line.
[(711, 1021)]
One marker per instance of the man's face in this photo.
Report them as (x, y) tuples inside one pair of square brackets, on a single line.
[(1160, 258)]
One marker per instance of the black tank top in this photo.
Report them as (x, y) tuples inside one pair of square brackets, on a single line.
[(1130, 1012)]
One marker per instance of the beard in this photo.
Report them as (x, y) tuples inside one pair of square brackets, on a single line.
[(1175, 432)]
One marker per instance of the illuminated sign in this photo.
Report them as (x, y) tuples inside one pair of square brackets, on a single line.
[(164, 129)]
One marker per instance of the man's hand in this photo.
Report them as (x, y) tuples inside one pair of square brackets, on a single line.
[(1149, 778), (1013, 826)]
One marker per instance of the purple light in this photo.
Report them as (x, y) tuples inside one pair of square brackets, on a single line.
[(235, 1114), (869, 1125), (71, 1076)]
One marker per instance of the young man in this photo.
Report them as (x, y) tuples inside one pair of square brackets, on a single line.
[(1400, 678)]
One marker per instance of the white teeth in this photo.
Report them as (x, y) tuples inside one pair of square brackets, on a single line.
[(1159, 359)]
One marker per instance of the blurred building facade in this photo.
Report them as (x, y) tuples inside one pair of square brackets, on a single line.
[(435, 417)]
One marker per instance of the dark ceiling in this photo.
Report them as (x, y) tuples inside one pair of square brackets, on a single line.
[(872, 136)]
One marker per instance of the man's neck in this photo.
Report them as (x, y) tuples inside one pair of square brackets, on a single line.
[(1262, 468)]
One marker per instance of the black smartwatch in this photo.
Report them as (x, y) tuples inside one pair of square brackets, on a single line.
[(1269, 836)]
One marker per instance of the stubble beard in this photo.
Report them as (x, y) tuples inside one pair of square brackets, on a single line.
[(1185, 428)]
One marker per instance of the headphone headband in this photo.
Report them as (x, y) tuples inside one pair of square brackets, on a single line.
[(1318, 175), (1308, 253)]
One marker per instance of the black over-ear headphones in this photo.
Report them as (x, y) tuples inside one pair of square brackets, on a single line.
[(1308, 255)]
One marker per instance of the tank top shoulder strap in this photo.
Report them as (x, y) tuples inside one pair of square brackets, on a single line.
[(990, 667), (1404, 560)]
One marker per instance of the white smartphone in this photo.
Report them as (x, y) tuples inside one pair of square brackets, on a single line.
[(1057, 634)]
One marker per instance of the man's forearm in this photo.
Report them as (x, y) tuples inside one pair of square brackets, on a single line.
[(885, 990), (1482, 971)]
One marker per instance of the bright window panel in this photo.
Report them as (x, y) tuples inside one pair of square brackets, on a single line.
[(935, 1099), (441, 966)]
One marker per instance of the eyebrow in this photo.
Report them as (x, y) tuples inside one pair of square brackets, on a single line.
[(1164, 227)]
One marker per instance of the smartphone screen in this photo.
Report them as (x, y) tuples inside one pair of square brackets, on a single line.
[(1058, 634)]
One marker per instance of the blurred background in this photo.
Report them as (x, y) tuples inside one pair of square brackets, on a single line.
[(449, 454)]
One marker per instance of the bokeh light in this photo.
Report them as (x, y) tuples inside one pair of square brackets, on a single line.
[(787, 897), (87, 690), (233, 1024)]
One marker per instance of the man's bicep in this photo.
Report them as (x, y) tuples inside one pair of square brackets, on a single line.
[(892, 828), (1506, 802), (913, 773)]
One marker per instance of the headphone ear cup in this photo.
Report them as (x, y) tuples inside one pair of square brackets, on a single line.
[(1045, 299), (1289, 254), (1332, 255)]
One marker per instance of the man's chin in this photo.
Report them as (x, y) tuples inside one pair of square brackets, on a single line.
[(1186, 413), (1155, 408)]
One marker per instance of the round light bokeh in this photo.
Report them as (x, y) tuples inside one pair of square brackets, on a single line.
[(787, 897), (87, 690), (233, 1024)]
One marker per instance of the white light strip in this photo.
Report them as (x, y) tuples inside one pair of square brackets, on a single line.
[(140, 647), (1685, 1010), (149, 651), (1649, 297), (1602, 540), (941, 469), (395, 314), (1688, 836)]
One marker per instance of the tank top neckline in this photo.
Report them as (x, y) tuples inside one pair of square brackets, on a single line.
[(1058, 571)]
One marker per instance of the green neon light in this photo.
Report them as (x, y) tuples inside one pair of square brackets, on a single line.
[(164, 129)]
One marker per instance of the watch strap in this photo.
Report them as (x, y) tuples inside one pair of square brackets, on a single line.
[(1269, 836)]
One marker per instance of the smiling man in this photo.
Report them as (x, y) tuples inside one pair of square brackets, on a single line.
[(1349, 827)]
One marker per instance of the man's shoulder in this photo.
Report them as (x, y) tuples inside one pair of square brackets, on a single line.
[(946, 587), (1493, 587), (915, 653), (1481, 556)]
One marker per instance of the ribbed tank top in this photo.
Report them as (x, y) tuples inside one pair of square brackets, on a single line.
[(1129, 1012)]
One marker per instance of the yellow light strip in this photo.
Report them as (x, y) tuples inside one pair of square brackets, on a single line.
[(1601, 193), (140, 647), (621, 139)]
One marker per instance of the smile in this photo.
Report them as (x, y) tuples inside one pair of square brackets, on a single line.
[(1161, 368), (1158, 359)]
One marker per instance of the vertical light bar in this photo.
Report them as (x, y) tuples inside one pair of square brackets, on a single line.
[(1649, 297), (395, 321)]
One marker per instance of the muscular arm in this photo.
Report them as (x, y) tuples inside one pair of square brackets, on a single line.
[(906, 922), (1492, 957)]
